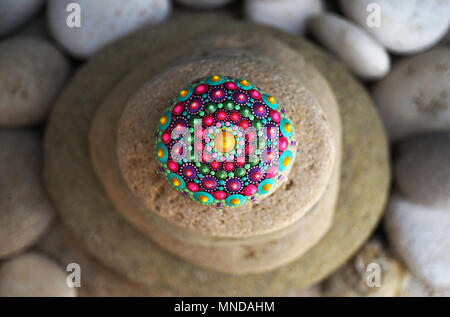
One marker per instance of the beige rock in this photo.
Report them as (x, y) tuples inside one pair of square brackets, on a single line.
[(415, 96), (358, 277), (33, 275), (32, 72), (120, 246), (422, 169), (25, 211)]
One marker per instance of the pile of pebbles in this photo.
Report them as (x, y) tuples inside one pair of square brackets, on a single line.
[(399, 50)]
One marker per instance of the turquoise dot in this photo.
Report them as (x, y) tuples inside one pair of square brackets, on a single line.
[(221, 182)]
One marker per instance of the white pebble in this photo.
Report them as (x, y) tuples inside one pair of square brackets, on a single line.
[(102, 21), (354, 46), (406, 26), (288, 15), (420, 236), (204, 4), (415, 96)]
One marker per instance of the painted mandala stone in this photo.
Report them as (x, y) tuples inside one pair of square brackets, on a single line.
[(223, 142)]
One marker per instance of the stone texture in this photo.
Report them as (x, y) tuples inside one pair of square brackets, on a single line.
[(204, 4), (406, 27), (25, 211), (355, 47), (33, 275), (287, 15), (15, 12), (419, 235), (102, 22), (32, 72), (415, 96), (120, 246), (422, 169)]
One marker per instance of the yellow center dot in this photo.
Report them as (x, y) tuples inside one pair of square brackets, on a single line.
[(215, 78), (286, 161), (163, 120), (271, 100), (176, 182), (235, 201), (224, 141), (244, 82), (183, 92), (267, 187), (203, 199), (160, 153), (287, 127)]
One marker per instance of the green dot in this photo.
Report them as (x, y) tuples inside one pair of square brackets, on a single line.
[(240, 172), (247, 166), (204, 169), (197, 164), (229, 105), (230, 174), (245, 112), (221, 175), (255, 161), (212, 173), (257, 124), (211, 107), (252, 117), (201, 113)]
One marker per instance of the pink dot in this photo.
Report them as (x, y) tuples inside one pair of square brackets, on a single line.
[(255, 94), (230, 85), (178, 109), (166, 137), (275, 116), (172, 166), (220, 195), (272, 171), (200, 89), (250, 190), (192, 187), (283, 143)]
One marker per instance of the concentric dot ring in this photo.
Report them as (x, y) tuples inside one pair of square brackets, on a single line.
[(241, 148)]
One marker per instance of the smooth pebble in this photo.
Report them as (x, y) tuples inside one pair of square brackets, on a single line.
[(415, 96), (288, 15), (405, 26), (420, 236), (422, 169), (102, 21), (354, 46), (204, 4), (13, 13), (32, 72), (25, 211), (33, 275)]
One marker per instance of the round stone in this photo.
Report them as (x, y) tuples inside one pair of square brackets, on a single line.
[(229, 138)]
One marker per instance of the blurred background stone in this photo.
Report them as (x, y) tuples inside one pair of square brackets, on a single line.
[(288, 15), (354, 46), (25, 212), (32, 72), (102, 22), (204, 4), (406, 27), (33, 274), (13, 13), (415, 96)]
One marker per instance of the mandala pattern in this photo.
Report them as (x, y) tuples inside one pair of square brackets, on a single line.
[(224, 142)]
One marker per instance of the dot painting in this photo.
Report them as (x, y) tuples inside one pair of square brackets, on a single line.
[(224, 142)]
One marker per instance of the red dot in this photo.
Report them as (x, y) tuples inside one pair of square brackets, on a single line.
[(240, 160), (234, 116), (209, 184), (229, 166), (218, 93), (250, 190), (172, 166), (250, 136), (221, 115), (234, 186), (244, 124), (192, 187), (209, 120), (249, 149), (241, 96), (256, 175), (220, 195), (271, 131), (260, 109), (188, 172), (215, 164)]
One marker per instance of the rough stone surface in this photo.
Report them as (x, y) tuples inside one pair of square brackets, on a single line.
[(25, 211), (419, 235), (354, 46), (32, 72), (15, 12), (117, 244), (288, 15), (406, 27), (415, 96), (102, 22), (422, 169), (33, 275)]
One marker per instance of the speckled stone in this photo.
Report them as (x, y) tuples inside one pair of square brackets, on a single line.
[(117, 244), (422, 169), (32, 72), (415, 96), (33, 275), (25, 211)]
